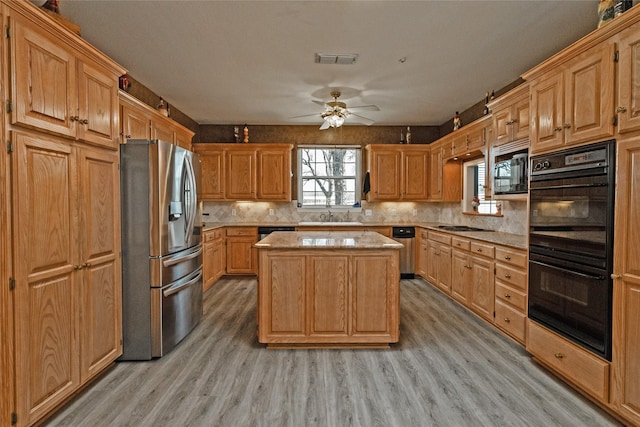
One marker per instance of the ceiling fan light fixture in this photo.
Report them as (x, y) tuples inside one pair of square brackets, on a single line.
[(334, 120)]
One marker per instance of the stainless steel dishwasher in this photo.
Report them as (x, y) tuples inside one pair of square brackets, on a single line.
[(406, 236)]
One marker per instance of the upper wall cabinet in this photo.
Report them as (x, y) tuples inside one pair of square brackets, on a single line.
[(398, 172), (60, 91), (628, 78), (245, 171), (510, 114), (573, 104), (140, 121)]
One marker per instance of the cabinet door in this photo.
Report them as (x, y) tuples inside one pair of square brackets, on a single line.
[(328, 295), (274, 174), (626, 291), (482, 287), (163, 131), (423, 259), (45, 95), (435, 173), (520, 119), (98, 112), (546, 113), (415, 175), (432, 262), (444, 269), (460, 270), (241, 256), (502, 126), (101, 288), (220, 256), (213, 171), (629, 81), (46, 291), (385, 174), (208, 265), (589, 96), (240, 175), (135, 124)]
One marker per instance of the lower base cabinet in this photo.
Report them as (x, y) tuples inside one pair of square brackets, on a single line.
[(241, 257), (347, 297), (214, 258)]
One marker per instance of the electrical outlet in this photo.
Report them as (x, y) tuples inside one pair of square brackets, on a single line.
[(368, 212), (233, 212), (415, 212), (271, 212)]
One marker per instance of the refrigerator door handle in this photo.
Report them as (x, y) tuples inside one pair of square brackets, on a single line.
[(191, 198), (180, 285), (181, 258)]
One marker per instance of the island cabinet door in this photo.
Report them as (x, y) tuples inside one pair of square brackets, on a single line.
[(328, 296), (281, 297), (375, 304)]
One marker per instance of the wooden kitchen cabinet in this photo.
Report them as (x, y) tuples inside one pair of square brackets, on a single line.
[(242, 257), (471, 140), (62, 90), (439, 260), (140, 121), (473, 273), (511, 292), (625, 396), (214, 263), (510, 114), (573, 104), (68, 272), (398, 172), (422, 253), (628, 80), (245, 172)]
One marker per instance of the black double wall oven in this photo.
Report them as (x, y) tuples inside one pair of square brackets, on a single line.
[(571, 243)]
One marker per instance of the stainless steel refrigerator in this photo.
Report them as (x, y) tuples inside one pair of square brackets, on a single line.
[(161, 247)]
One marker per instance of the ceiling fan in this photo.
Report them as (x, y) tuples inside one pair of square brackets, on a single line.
[(336, 112)]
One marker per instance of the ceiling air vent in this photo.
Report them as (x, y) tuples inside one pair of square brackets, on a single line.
[(333, 58)]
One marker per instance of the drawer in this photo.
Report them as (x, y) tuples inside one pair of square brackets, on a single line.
[(511, 256), (385, 231), (515, 277), (424, 234), (482, 249), (458, 243), (242, 231), (584, 369), (511, 296), (511, 321), (439, 237)]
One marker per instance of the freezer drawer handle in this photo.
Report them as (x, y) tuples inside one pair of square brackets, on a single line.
[(182, 258), (178, 287)]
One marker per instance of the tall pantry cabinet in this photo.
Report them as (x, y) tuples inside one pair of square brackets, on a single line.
[(61, 128)]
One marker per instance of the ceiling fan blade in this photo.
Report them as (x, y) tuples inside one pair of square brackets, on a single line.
[(365, 108), (305, 115), (325, 125), (360, 119)]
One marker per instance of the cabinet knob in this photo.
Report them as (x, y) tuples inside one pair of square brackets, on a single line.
[(74, 118), (507, 320), (621, 110), (86, 265), (566, 125), (84, 122), (507, 296), (508, 258), (77, 267), (479, 250), (559, 356), (508, 276), (616, 276), (557, 129)]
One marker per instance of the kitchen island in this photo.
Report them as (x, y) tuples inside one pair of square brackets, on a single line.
[(328, 289)]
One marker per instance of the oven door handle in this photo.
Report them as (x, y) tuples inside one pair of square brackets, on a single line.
[(562, 187), (566, 270)]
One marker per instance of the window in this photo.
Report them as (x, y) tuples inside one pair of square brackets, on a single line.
[(328, 176), (475, 174)]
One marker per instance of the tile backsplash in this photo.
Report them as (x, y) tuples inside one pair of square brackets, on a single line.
[(514, 219)]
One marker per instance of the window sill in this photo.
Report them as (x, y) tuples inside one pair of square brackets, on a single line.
[(482, 214)]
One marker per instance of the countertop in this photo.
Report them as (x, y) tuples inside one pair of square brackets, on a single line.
[(327, 240), (517, 241)]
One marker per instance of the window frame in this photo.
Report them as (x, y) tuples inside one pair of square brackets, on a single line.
[(358, 178)]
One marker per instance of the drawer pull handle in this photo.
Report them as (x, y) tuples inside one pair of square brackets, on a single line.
[(621, 110), (508, 258), (508, 276), (507, 320), (479, 249), (559, 356), (558, 128), (507, 296)]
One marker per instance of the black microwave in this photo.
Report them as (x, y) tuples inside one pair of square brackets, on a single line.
[(511, 173)]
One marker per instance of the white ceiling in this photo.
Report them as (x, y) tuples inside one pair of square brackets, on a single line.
[(227, 62)]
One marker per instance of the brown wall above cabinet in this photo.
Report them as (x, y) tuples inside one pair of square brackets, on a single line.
[(310, 134)]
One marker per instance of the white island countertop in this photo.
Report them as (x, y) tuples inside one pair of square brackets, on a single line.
[(327, 240)]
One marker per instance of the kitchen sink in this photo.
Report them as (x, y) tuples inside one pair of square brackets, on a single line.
[(461, 228), (332, 223)]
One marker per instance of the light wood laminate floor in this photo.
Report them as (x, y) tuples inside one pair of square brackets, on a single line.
[(449, 369)]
